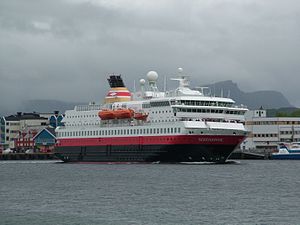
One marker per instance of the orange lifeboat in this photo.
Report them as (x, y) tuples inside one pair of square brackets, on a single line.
[(140, 116), (123, 113), (106, 114)]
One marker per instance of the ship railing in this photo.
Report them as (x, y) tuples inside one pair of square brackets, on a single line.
[(215, 120), (87, 107)]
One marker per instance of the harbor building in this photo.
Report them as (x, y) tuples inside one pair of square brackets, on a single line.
[(13, 124), (266, 132), (17, 131), (45, 140), (24, 139)]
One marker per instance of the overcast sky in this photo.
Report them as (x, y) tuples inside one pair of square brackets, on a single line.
[(64, 49)]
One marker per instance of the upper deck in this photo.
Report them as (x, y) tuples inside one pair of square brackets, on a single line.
[(181, 104)]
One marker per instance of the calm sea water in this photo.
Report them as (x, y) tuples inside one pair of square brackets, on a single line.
[(249, 192)]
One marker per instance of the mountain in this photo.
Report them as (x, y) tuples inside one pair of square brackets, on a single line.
[(253, 100), (283, 111)]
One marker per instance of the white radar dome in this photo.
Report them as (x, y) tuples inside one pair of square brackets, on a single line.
[(142, 81), (152, 76), (180, 70)]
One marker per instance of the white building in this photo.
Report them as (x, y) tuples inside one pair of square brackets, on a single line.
[(267, 132)]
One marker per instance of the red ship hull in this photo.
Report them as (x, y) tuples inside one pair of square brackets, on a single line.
[(169, 149)]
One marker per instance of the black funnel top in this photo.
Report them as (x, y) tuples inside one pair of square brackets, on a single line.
[(115, 81)]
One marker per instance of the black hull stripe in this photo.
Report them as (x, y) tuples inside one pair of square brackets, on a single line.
[(145, 153)]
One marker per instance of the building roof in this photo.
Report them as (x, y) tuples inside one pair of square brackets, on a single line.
[(24, 116), (50, 130)]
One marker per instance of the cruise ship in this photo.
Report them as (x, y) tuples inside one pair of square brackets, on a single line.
[(149, 125)]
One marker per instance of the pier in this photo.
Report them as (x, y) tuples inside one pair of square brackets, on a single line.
[(253, 154)]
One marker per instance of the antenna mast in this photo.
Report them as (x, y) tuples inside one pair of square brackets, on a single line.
[(134, 87), (165, 83)]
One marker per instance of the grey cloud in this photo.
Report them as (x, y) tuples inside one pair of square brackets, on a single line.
[(65, 49)]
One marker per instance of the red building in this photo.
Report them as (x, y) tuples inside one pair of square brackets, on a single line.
[(24, 140)]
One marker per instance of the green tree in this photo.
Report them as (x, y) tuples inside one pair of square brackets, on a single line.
[(281, 114), (296, 113)]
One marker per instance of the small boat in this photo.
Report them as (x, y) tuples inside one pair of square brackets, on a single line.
[(140, 116), (122, 113), (106, 114), (287, 151)]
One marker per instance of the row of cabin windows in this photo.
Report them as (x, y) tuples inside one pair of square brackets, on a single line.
[(159, 104), (209, 111), (80, 123), (203, 103), (167, 111), (169, 120), (272, 122), (81, 116), (146, 105), (122, 132), (290, 132), (276, 135), (265, 135)]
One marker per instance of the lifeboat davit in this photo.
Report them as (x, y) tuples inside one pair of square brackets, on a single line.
[(140, 116), (123, 113), (106, 114)]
